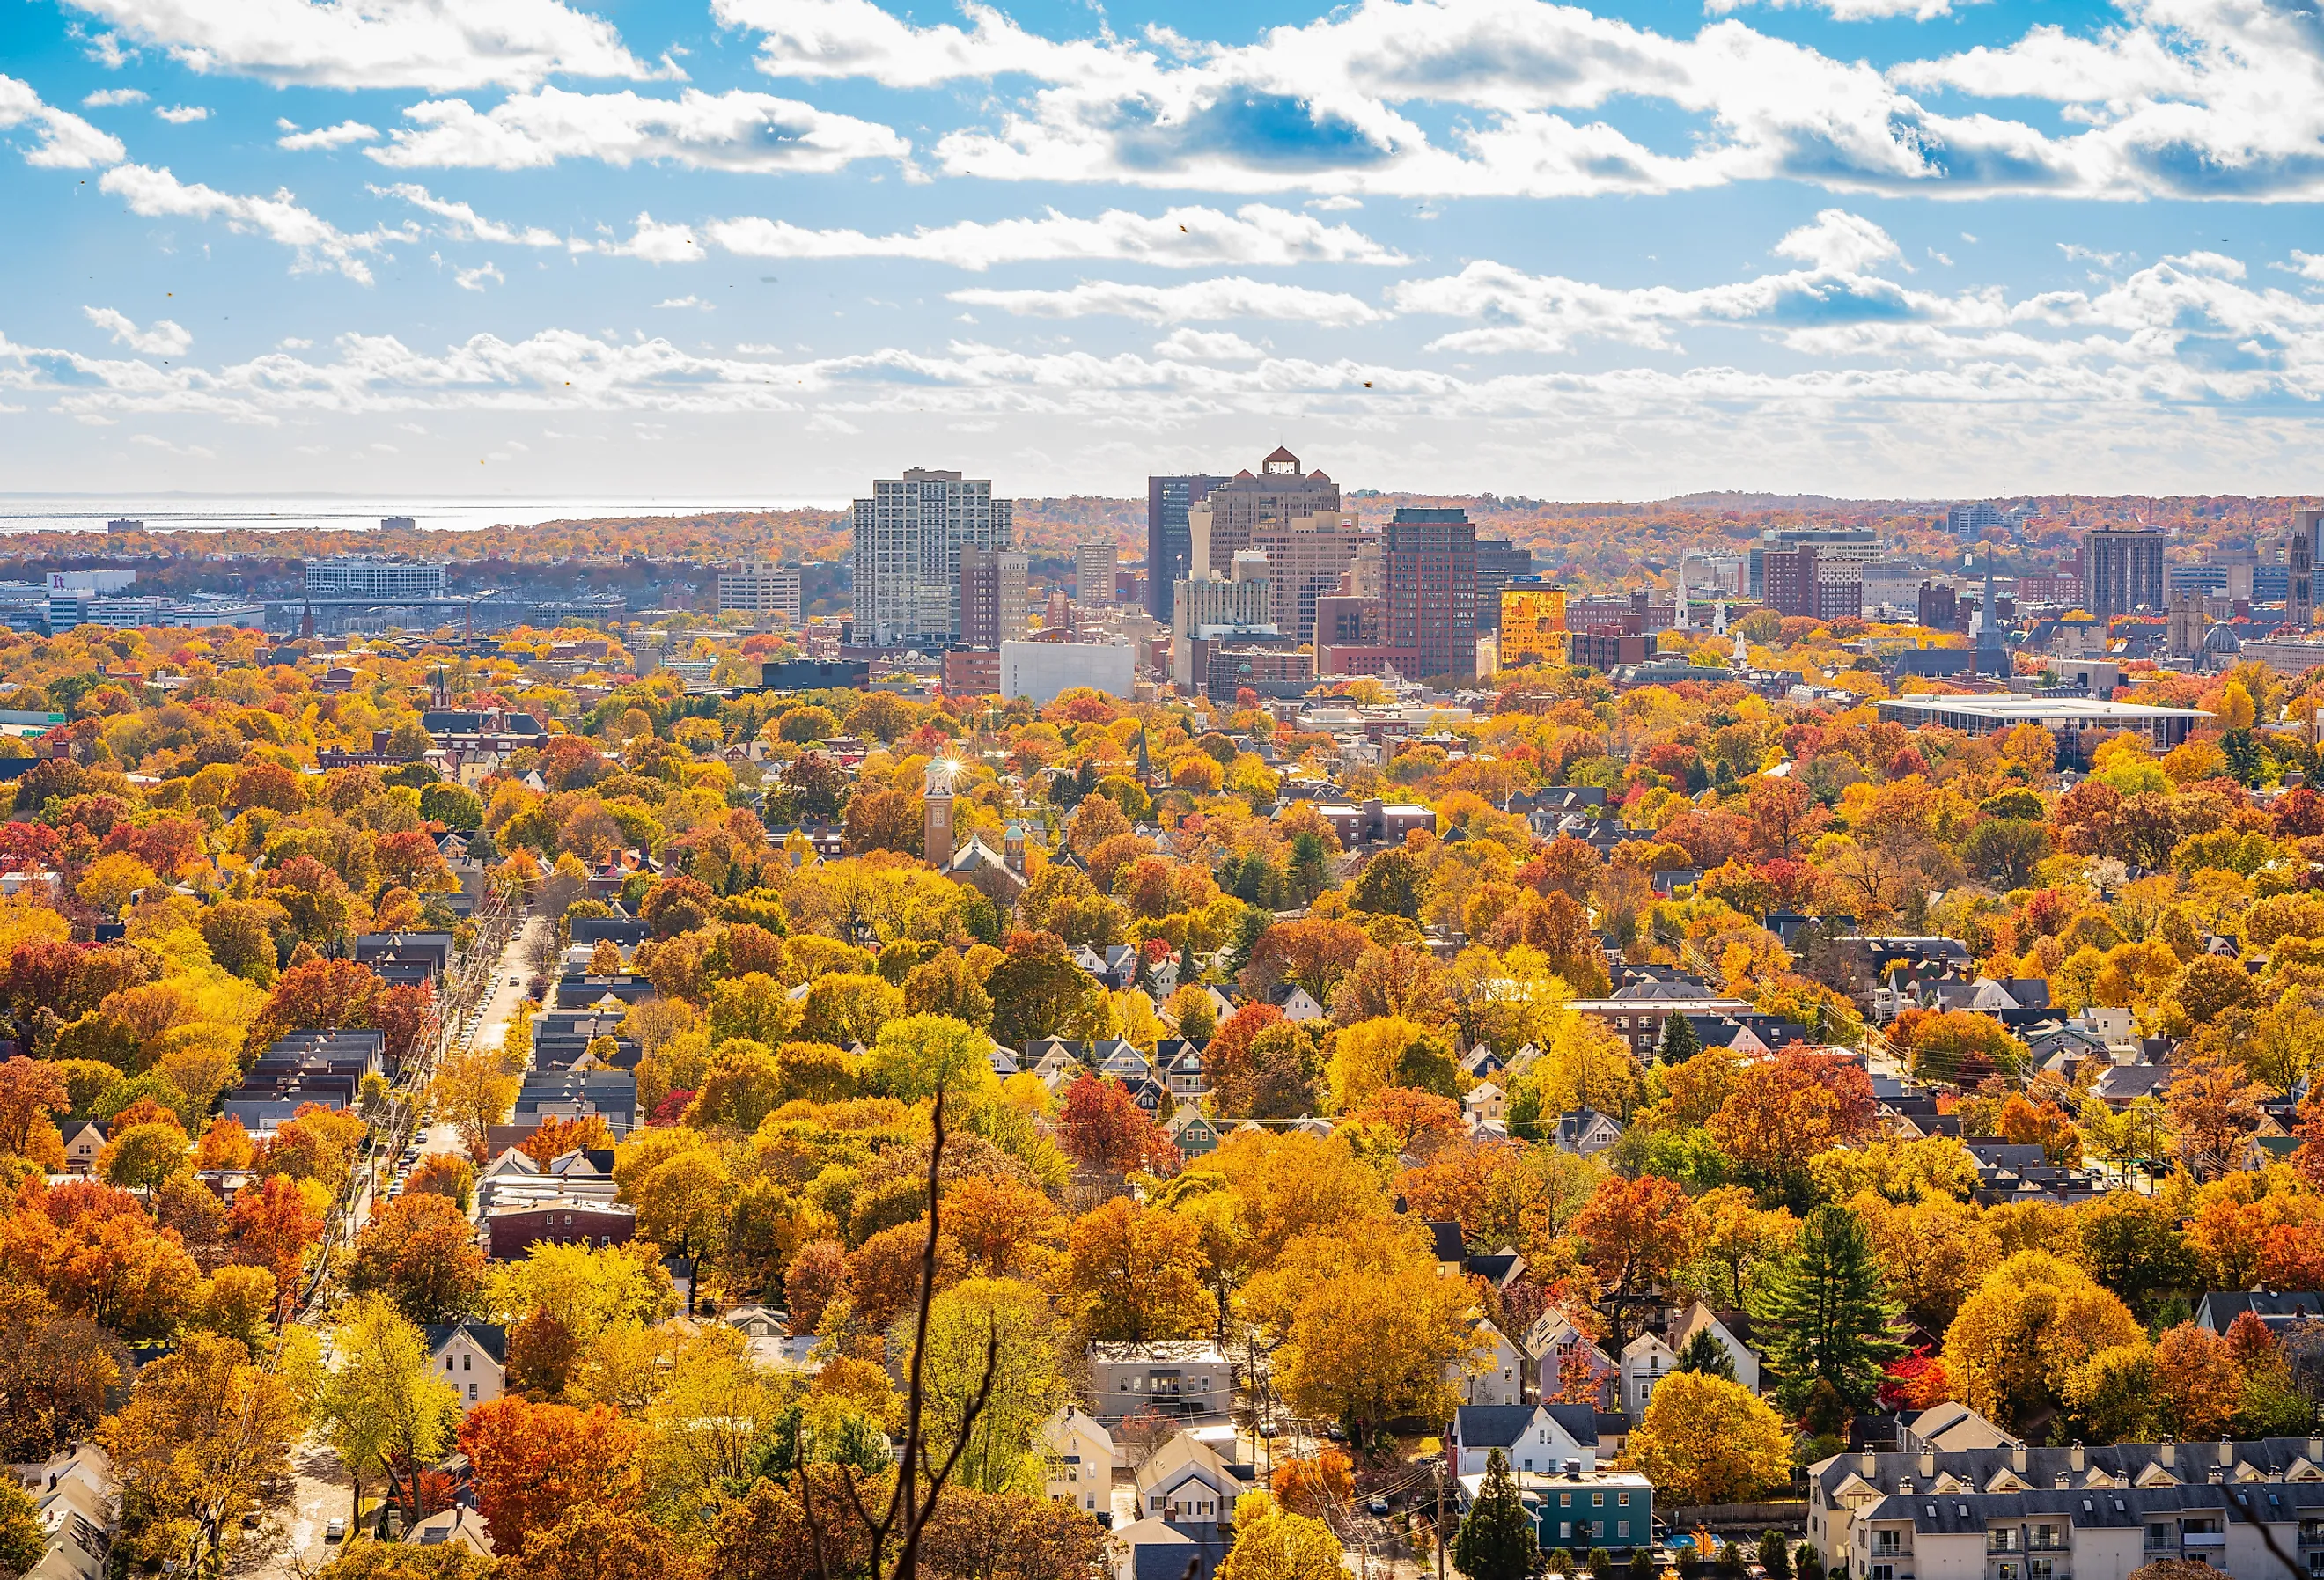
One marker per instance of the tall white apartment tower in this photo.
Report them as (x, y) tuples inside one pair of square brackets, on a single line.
[(1094, 565), (909, 536)]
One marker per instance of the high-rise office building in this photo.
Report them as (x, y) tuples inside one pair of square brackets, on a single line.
[(1835, 547), (909, 536), (1169, 548), (1432, 590), (993, 597), (353, 577), (1093, 568), (2121, 571), (760, 587), (1306, 560), (1499, 562), (1277, 494)]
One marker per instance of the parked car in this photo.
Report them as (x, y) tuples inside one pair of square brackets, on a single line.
[(337, 1530), (1378, 1506)]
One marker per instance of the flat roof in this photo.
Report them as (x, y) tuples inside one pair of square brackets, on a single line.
[(2036, 709)]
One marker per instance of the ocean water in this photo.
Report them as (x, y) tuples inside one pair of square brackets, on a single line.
[(195, 512)]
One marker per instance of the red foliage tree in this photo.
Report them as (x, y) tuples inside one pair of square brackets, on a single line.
[(534, 1462), (1101, 1126), (273, 1229), (321, 994)]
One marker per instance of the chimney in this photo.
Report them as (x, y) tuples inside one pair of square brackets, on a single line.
[(2017, 1458), (2076, 1458), (1867, 1463), (2316, 1451), (2166, 1454), (1928, 1464)]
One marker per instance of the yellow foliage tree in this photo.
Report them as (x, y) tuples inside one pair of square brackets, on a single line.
[(1707, 1440), (1271, 1543), (2017, 1339)]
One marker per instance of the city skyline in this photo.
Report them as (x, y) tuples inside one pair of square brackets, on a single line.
[(1865, 247)]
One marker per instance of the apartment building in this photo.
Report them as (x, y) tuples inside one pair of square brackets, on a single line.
[(1278, 494), (2121, 571), (1432, 590), (351, 576), (1094, 565), (992, 597), (909, 538), (2254, 1511), (760, 587)]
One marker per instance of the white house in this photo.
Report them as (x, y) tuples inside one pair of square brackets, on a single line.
[(471, 1356), (1299, 1005), (1186, 1482), (1700, 1317), (1501, 1381), (1586, 1132), (455, 1526), (1537, 1437), (1174, 1377), (1646, 1361), (1080, 1452), (75, 1500)]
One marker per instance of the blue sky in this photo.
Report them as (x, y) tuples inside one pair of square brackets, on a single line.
[(765, 249)]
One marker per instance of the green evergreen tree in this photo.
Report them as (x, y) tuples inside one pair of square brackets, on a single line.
[(1495, 1541), (1601, 1564), (1641, 1566), (1776, 1555), (1679, 1042), (1807, 1561), (1705, 1354), (1825, 1313)]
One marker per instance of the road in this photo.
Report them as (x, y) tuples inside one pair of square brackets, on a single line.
[(290, 1546)]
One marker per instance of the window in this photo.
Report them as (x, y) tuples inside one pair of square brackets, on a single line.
[(472, 1393), (1565, 1500), (1623, 1499), (1597, 1500), (1623, 1529), (1884, 1571), (1565, 1528)]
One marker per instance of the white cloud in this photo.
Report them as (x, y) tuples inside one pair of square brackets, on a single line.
[(337, 136), (66, 142), (440, 45), (1232, 297), (1840, 243), (317, 242), (108, 51), (692, 302), (737, 131), (658, 244), (2307, 266), (162, 338), (106, 97), (856, 38), (182, 115), (465, 224), (826, 423), (1848, 10), (2074, 252), (2194, 99), (189, 452), (1337, 201), (473, 279), (1256, 235), (1207, 346)]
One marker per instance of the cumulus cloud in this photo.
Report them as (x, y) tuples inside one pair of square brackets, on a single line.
[(337, 136), (2195, 98), (106, 97), (657, 243), (1233, 297), (66, 141), (1207, 346), (463, 223), (473, 279), (192, 452), (182, 115), (438, 45), (686, 301), (856, 38), (1848, 10), (737, 131), (1839, 242), (317, 243), (162, 338), (1255, 235)]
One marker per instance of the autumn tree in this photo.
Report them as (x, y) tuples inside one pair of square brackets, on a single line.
[(1101, 1126), (1704, 1439), (1272, 1543), (1496, 1540), (204, 1437), (380, 1403), (420, 1252), (1634, 1234), (535, 1462), (2014, 1346), (1136, 1273), (1782, 1110)]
